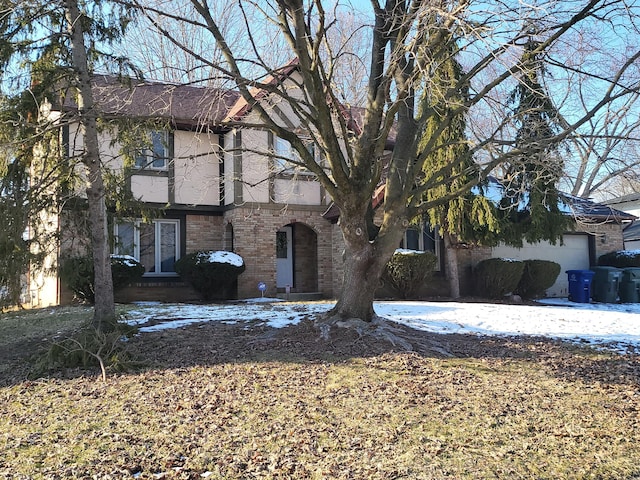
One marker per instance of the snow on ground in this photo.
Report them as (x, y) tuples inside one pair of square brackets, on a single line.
[(615, 326)]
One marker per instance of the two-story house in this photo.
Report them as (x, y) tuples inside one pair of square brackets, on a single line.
[(218, 188), (223, 183), (631, 204)]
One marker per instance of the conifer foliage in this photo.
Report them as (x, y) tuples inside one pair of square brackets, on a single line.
[(49, 51), (531, 203)]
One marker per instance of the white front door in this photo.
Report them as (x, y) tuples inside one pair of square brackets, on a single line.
[(284, 257)]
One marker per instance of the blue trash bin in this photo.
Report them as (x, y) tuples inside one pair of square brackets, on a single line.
[(580, 285)]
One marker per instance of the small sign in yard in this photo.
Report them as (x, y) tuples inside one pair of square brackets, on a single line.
[(262, 287)]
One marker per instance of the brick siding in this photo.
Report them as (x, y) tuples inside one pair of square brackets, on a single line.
[(254, 232), (204, 232)]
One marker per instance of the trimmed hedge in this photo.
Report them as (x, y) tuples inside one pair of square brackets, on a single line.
[(212, 274), (77, 274), (407, 271), (496, 277), (537, 277), (620, 259)]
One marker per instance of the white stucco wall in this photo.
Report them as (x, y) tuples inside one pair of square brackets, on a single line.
[(255, 167), (150, 188), (297, 192), (196, 167)]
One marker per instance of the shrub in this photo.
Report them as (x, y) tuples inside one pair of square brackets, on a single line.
[(537, 276), (212, 274), (407, 271), (125, 270), (620, 259), (496, 277), (77, 274)]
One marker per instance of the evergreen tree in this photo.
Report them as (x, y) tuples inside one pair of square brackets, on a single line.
[(449, 165), (531, 202), (59, 44), (25, 191)]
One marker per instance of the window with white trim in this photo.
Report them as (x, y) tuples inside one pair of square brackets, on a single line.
[(422, 238), (156, 156), (285, 155), (155, 245)]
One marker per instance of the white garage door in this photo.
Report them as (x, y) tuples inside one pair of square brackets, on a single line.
[(572, 255)]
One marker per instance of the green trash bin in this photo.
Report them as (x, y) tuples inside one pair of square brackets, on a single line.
[(629, 288), (604, 286)]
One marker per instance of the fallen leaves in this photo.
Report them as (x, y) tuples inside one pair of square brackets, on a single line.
[(229, 407)]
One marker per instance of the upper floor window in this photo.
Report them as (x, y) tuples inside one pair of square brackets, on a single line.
[(156, 155), (286, 159)]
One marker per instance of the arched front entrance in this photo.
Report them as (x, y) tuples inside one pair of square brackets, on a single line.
[(297, 258)]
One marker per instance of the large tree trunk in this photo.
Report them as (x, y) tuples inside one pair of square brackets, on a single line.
[(104, 310), (364, 262), (362, 270)]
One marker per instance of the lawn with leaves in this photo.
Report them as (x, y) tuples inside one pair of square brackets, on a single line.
[(225, 401)]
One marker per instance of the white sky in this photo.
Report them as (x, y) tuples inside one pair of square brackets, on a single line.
[(615, 326)]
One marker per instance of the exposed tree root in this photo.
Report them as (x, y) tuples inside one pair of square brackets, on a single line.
[(380, 329)]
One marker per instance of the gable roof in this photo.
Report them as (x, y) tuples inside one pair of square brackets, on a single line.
[(583, 208), (632, 232), (632, 197), (185, 106), (242, 107)]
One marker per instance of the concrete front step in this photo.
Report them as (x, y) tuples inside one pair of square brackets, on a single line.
[(301, 297)]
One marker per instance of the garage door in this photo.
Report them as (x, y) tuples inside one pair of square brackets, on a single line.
[(572, 255)]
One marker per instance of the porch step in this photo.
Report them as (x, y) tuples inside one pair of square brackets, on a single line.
[(301, 297)]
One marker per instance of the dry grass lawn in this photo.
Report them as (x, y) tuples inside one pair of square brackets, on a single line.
[(241, 401)]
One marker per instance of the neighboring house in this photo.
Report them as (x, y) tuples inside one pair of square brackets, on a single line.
[(219, 189), (630, 204)]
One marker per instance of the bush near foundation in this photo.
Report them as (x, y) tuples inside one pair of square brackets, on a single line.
[(213, 274), (497, 277), (407, 271), (77, 274), (620, 259), (537, 277)]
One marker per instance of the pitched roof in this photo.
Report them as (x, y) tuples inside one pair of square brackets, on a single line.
[(570, 205), (185, 106), (632, 232), (583, 207), (632, 197), (242, 107)]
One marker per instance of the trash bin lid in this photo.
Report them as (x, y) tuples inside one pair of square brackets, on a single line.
[(606, 271), (631, 273), (580, 274)]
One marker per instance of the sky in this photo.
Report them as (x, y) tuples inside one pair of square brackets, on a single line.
[(614, 327)]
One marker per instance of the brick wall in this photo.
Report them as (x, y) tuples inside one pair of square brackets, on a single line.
[(254, 232), (204, 232), (468, 258), (305, 247), (608, 237)]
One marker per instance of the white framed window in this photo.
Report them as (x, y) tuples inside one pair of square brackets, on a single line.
[(156, 156), (155, 245), (422, 238), (285, 155)]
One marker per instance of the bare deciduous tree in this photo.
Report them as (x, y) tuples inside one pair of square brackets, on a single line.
[(406, 41)]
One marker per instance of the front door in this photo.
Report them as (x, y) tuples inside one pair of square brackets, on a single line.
[(284, 257)]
